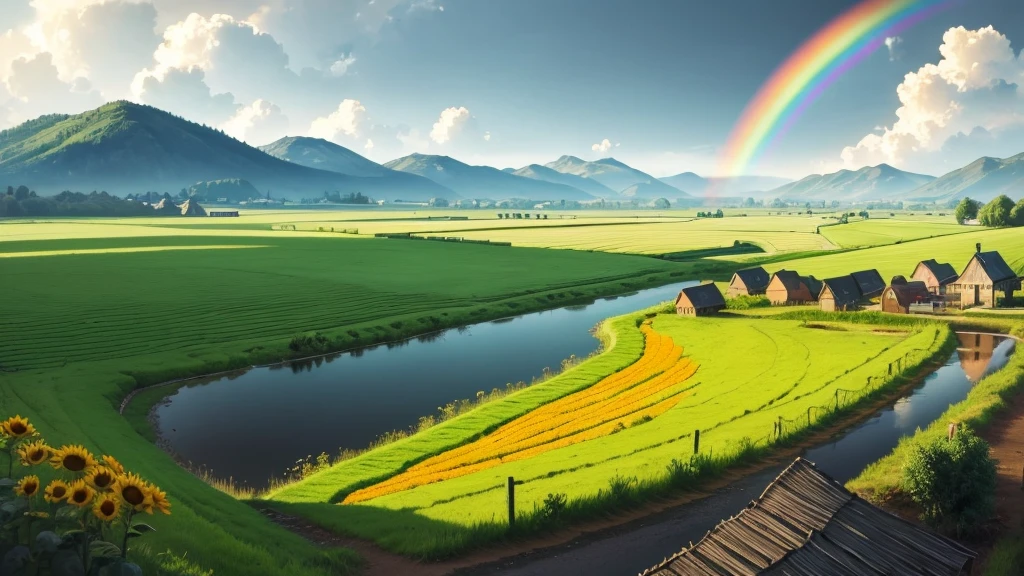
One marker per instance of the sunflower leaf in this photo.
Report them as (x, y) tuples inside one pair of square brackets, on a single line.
[(143, 527), (101, 549)]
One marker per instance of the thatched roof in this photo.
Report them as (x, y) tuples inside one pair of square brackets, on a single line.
[(754, 278), (944, 273), (806, 523), (994, 265), (870, 283), (703, 296), (911, 292), (192, 208), (844, 289)]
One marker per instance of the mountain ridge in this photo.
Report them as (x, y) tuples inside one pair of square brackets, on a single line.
[(881, 182), (617, 176)]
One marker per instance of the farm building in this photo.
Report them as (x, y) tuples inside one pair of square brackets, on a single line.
[(224, 213), (985, 275), (813, 284), (192, 208), (805, 522), (839, 294), (870, 283), (788, 287), (748, 282), (899, 298), (935, 276), (702, 300)]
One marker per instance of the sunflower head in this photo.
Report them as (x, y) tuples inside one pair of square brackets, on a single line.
[(107, 507), (113, 464), (72, 458), (80, 494), (100, 478), (56, 491), (159, 499), (27, 486), (135, 492), (17, 427), (34, 453)]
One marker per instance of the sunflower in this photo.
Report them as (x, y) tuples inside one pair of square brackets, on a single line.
[(113, 464), (17, 427), (72, 458), (160, 501), (107, 507), (34, 453), (28, 486), (57, 491), (100, 478), (135, 492), (80, 494)]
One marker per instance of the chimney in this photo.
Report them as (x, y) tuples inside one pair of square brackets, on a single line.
[(978, 247)]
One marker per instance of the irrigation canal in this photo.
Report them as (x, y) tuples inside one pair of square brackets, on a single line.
[(254, 425), (634, 547)]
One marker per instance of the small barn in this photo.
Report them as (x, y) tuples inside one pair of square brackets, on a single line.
[(192, 208), (787, 287), (807, 523), (702, 300), (985, 276), (935, 276), (748, 282), (870, 283), (900, 298), (839, 294), (813, 285)]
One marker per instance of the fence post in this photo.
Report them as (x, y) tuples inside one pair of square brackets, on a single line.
[(809, 415), (511, 502), (890, 368), (696, 441), (837, 396), (780, 426)]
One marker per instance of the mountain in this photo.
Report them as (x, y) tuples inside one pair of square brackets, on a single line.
[(739, 185), (983, 179), (592, 187), (323, 155), (124, 148), (615, 175), (882, 182), (483, 181)]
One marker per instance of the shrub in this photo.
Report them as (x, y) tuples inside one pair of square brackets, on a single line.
[(554, 507), (953, 481), (310, 343), (747, 302), (620, 488)]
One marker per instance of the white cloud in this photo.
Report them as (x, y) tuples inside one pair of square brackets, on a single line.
[(368, 145), (487, 136), (451, 123), (895, 46), (341, 65), (36, 89), (185, 92), (347, 120), (974, 85), (259, 123), (602, 146)]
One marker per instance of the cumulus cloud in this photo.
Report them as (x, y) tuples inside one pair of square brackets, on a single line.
[(895, 46), (451, 123), (487, 136), (185, 92), (258, 123), (974, 85), (342, 64), (347, 120), (602, 146), (35, 89)]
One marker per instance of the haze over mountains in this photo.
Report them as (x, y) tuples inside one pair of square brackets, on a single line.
[(127, 148)]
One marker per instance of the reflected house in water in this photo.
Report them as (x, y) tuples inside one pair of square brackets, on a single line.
[(975, 351)]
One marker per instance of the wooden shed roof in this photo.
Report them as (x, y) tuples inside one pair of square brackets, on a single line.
[(754, 278), (703, 296), (806, 523), (789, 278), (870, 283), (813, 284), (994, 265), (944, 273), (844, 289), (907, 294)]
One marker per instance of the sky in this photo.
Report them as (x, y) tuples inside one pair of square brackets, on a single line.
[(658, 84)]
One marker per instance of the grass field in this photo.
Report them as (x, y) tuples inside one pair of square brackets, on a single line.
[(788, 369), (879, 232)]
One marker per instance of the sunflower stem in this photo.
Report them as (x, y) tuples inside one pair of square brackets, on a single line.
[(127, 528)]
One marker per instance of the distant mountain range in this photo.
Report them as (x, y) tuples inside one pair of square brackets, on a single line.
[(882, 182), (738, 186), (983, 179), (588, 185), (323, 155), (617, 176)]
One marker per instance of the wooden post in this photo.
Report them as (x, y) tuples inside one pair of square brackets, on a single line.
[(837, 397), (890, 368), (951, 431), (809, 415), (696, 441), (511, 502)]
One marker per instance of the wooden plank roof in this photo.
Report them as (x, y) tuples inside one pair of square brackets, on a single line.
[(806, 523), (703, 296), (994, 265), (754, 278), (907, 294)]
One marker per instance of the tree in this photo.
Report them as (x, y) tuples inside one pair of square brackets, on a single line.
[(997, 212), (966, 210), (1017, 214), (438, 202), (21, 193), (719, 213), (749, 202), (662, 203)]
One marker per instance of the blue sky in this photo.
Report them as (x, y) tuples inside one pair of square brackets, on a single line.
[(509, 82)]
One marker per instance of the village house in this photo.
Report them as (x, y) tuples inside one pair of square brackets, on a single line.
[(935, 276), (901, 296), (787, 287), (839, 294), (748, 282), (985, 276), (870, 283), (703, 300)]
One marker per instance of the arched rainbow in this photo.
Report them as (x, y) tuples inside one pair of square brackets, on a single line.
[(817, 64)]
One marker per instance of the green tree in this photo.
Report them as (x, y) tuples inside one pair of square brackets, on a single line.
[(997, 212), (966, 210), (1017, 214), (661, 203)]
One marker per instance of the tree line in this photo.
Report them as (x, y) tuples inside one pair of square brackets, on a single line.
[(1001, 212), (22, 202)]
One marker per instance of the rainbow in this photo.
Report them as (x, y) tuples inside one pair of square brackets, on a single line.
[(816, 65)]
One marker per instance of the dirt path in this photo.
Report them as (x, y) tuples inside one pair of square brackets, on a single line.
[(1006, 438)]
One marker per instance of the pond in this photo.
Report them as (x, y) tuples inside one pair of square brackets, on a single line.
[(253, 425)]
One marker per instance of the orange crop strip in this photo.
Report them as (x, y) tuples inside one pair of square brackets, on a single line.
[(647, 388)]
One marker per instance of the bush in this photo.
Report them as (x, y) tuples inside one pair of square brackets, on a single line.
[(953, 481), (554, 507), (310, 343), (747, 302)]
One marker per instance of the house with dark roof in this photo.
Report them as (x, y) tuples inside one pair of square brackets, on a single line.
[(703, 300), (787, 287), (813, 284), (748, 282), (840, 294), (870, 283), (935, 276), (985, 275), (806, 523), (902, 298)]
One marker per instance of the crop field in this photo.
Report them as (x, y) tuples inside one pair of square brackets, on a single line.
[(879, 232), (789, 372)]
